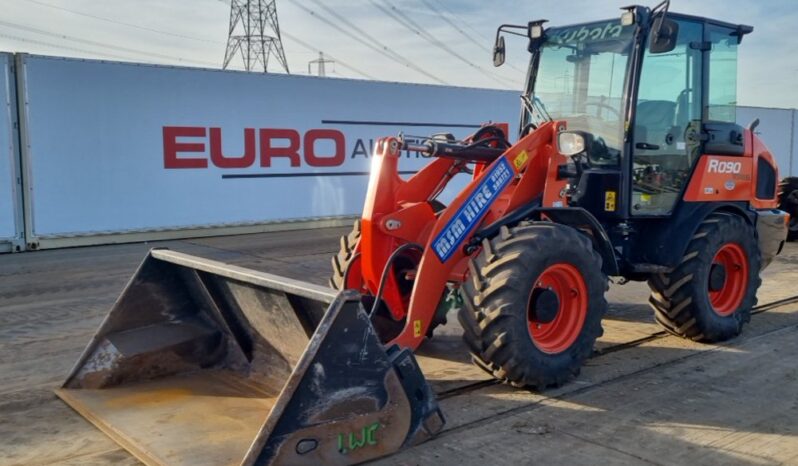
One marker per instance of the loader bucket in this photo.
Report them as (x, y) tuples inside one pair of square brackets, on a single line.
[(201, 362)]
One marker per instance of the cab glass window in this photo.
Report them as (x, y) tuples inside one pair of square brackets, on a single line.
[(667, 118), (722, 75)]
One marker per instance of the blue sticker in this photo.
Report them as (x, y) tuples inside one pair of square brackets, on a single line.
[(472, 210)]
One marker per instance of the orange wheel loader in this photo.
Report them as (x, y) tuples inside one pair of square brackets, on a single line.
[(628, 163)]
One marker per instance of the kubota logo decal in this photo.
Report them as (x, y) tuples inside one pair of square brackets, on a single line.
[(472, 210), (571, 35), (721, 166)]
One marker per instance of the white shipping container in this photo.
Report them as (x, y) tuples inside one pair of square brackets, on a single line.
[(9, 190), (776, 130), (793, 166), (124, 152), (119, 148)]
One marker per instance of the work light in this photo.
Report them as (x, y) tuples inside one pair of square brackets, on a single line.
[(570, 143)]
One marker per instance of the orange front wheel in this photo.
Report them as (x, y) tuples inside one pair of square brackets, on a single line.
[(557, 307), (533, 305)]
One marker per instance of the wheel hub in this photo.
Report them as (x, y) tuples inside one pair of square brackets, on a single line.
[(728, 279), (557, 308), (717, 277), (545, 305)]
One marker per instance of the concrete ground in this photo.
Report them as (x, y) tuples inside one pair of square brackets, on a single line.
[(644, 398)]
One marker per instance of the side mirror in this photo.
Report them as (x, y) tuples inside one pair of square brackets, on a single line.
[(663, 35), (498, 51)]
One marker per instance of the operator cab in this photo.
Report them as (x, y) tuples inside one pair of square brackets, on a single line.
[(647, 92)]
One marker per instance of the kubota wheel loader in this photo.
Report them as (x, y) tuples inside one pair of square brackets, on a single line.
[(628, 164)]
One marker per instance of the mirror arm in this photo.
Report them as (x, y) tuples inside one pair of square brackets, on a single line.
[(498, 45), (659, 19)]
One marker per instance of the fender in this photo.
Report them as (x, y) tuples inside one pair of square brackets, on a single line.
[(666, 240), (584, 221), (575, 217)]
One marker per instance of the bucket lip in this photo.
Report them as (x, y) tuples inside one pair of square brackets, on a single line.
[(347, 299), (242, 274)]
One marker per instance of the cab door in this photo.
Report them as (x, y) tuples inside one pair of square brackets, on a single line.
[(666, 135)]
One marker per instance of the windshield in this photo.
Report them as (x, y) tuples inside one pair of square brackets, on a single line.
[(581, 76)]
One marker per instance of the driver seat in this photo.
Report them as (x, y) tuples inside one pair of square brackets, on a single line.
[(654, 121)]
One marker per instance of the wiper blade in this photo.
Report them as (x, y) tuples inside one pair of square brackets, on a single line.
[(530, 107), (542, 108), (535, 107)]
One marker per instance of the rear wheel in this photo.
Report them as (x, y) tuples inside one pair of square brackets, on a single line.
[(709, 295), (346, 274), (346, 264), (788, 202), (533, 304)]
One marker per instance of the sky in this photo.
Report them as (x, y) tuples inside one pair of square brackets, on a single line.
[(423, 41)]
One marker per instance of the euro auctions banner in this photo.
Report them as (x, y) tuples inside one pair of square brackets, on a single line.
[(8, 182), (122, 147)]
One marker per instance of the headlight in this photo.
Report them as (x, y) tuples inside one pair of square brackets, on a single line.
[(570, 143), (628, 18), (535, 29)]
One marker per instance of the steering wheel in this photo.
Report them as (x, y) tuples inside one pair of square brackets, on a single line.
[(602, 143), (605, 106)]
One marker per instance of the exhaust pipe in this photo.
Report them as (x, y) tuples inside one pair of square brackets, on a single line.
[(200, 362)]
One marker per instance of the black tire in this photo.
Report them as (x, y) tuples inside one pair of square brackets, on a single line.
[(384, 323), (345, 255), (681, 298), (788, 202), (496, 300), (387, 327)]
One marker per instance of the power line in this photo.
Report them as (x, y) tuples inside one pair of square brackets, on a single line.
[(462, 21), (385, 50), (317, 50), (65, 47), (479, 42), (338, 61), (311, 48), (455, 26), (408, 23), (98, 44), (470, 37), (369, 42), (122, 23)]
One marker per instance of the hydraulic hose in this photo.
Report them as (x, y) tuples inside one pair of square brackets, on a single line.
[(387, 269)]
